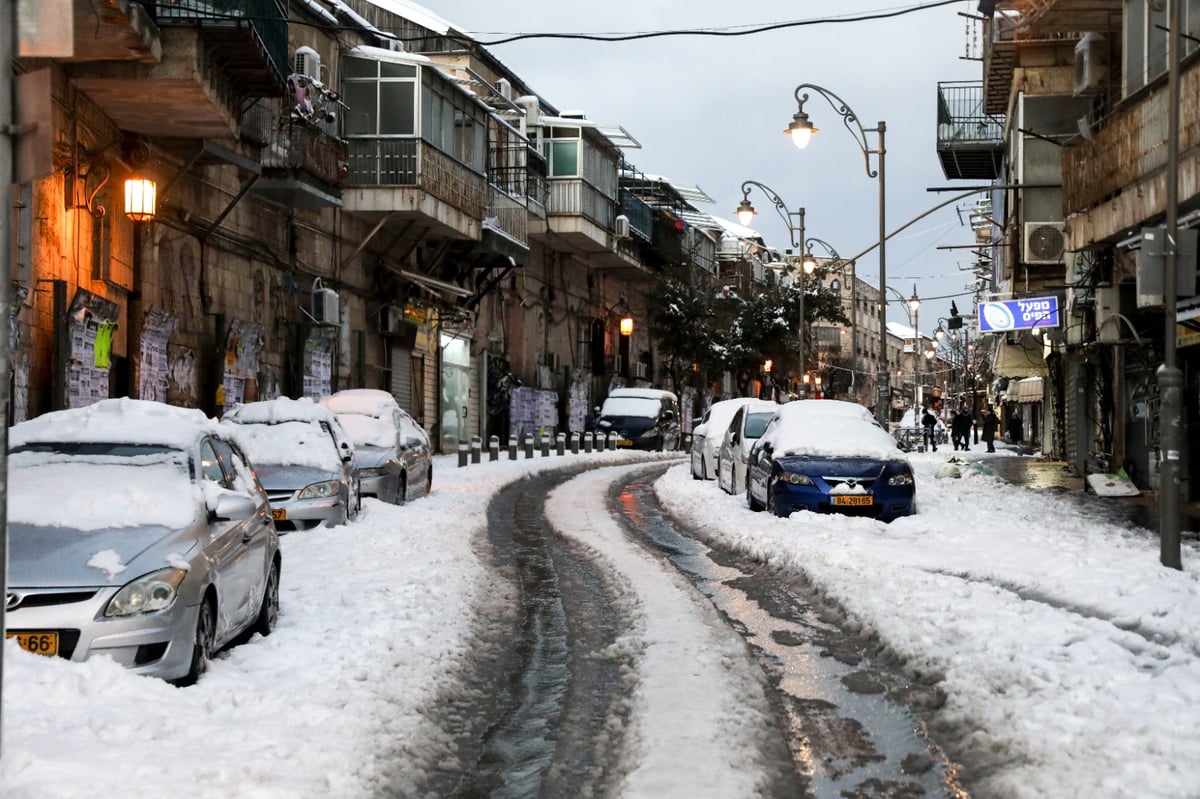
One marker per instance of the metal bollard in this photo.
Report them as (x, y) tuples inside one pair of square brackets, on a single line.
[(462, 454), (575, 443), (612, 441), (528, 445), (476, 446), (512, 448), (587, 441), (560, 444), (545, 445), (494, 448)]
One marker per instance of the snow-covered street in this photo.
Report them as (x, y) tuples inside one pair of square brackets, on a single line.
[(1069, 657)]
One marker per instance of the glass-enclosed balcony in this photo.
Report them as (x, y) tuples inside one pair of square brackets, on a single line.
[(970, 142)]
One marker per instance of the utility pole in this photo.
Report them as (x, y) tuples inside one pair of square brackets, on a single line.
[(1170, 378)]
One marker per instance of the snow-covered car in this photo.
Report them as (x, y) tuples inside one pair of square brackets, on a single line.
[(829, 456), (395, 458), (642, 418), (733, 448), (139, 531), (304, 458), (707, 435)]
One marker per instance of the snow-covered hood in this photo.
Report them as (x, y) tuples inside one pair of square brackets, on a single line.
[(46, 557)]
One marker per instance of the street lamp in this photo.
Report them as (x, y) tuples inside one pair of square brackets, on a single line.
[(746, 213), (914, 304), (801, 130)]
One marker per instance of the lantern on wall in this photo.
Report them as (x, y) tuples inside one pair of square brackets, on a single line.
[(140, 199), (626, 325)]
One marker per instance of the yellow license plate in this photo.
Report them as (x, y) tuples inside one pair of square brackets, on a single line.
[(624, 442), (279, 515), (37, 643), (852, 499)]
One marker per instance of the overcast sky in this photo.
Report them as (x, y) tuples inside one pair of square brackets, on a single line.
[(711, 111)]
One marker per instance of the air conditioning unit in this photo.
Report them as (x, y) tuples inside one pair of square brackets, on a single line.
[(621, 227), (391, 319), (1044, 243), (1091, 64), (308, 62), (325, 307), (640, 371)]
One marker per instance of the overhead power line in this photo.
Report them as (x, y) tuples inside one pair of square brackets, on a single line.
[(725, 32)]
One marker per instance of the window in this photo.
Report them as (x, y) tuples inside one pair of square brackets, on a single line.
[(452, 121), (380, 97), (561, 149), (210, 464), (1146, 39)]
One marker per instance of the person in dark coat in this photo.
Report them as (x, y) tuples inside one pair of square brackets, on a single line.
[(929, 421), (1016, 430), (989, 424), (961, 428)]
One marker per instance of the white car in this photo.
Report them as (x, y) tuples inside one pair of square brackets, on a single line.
[(733, 448), (706, 436)]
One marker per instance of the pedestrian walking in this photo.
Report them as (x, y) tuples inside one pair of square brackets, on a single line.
[(929, 421), (990, 423), (961, 428), (1016, 430)]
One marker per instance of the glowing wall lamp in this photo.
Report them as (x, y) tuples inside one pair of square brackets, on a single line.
[(626, 325), (140, 199)]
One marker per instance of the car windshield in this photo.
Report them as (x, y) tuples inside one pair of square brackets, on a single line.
[(630, 406), (289, 444), (368, 431), (96, 486), (756, 423)]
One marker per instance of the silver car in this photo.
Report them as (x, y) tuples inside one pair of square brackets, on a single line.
[(707, 434), (733, 449), (303, 457), (395, 458), (139, 531)]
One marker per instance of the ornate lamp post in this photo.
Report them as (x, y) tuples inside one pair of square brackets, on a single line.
[(746, 213), (801, 131), (914, 304)]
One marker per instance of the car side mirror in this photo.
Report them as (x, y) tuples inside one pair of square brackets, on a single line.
[(668, 416), (230, 506)]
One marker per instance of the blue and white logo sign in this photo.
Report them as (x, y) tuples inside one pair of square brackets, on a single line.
[(1000, 317)]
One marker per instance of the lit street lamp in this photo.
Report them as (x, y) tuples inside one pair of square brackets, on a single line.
[(801, 130), (746, 213)]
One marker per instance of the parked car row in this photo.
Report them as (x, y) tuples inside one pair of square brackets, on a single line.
[(822, 456), (150, 533)]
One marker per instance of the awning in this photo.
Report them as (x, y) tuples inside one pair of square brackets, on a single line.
[(1023, 359), (1028, 390)]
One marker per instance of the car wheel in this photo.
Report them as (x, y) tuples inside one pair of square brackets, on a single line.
[(771, 497), (428, 480), (695, 474), (754, 504), (202, 643), (268, 611)]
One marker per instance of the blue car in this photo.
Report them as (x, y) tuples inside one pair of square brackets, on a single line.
[(828, 456)]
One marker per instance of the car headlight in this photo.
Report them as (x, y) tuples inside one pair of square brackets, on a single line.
[(320, 490), (795, 479), (374, 471), (651, 433), (147, 594), (903, 479)]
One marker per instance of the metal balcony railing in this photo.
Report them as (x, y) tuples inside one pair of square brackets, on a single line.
[(265, 22), (508, 215), (970, 142), (410, 162), (307, 149), (640, 215), (576, 197)]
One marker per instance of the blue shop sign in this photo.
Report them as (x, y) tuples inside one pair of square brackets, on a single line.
[(999, 317)]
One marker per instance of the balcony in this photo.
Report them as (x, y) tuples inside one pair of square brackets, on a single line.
[(970, 142), (1116, 180), (303, 167), (183, 68), (412, 180)]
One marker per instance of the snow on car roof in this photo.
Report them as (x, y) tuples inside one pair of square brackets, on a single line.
[(369, 401), (121, 420), (280, 409), (721, 413), (645, 393), (829, 427)]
